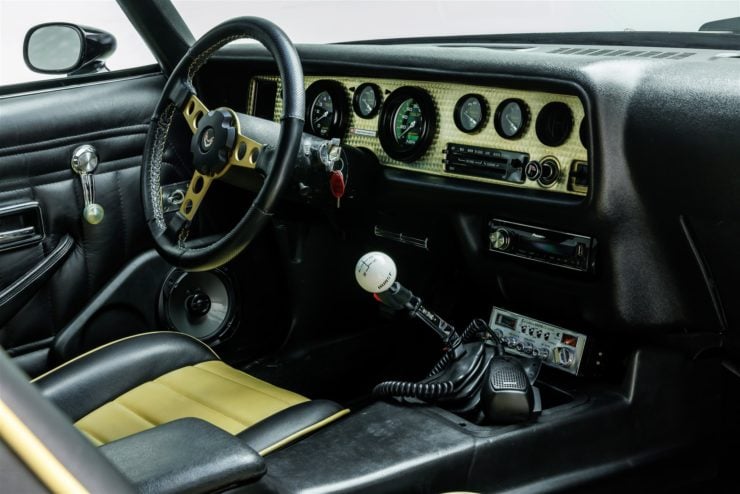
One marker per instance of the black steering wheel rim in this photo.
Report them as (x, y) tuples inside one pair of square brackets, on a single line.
[(168, 238)]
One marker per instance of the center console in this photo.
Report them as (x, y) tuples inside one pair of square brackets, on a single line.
[(583, 431), (596, 431)]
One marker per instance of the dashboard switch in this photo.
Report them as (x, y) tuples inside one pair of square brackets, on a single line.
[(550, 172), (533, 170)]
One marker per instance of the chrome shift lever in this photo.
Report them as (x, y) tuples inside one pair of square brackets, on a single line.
[(84, 163)]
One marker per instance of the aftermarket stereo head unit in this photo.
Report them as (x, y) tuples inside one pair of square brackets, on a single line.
[(565, 250)]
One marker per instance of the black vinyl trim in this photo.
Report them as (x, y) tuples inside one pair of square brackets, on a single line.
[(30, 347), (637, 38), (93, 379), (161, 27), (706, 273), (33, 87), (14, 296), (270, 431)]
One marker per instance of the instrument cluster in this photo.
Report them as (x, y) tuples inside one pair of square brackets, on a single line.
[(414, 124)]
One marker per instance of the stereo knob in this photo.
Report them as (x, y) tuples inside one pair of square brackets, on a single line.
[(533, 170), (499, 239), (550, 172)]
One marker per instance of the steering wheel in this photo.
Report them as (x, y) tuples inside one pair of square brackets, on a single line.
[(220, 140)]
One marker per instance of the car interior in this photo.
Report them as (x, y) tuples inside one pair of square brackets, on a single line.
[(494, 263)]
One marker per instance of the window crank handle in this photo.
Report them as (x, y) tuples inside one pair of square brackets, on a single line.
[(84, 163)]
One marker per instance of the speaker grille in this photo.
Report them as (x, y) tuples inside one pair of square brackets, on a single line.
[(505, 376), (199, 304)]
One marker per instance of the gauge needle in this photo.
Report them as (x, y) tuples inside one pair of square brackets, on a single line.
[(413, 124), (368, 106), (472, 120), (513, 125), (326, 114)]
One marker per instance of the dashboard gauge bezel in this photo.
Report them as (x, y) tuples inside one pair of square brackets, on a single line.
[(386, 123), (545, 116), (583, 133), (356, 100), (499, 113), (458, 109), (338, 96)]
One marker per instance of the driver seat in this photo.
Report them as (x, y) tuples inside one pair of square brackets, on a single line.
[(140, 382)]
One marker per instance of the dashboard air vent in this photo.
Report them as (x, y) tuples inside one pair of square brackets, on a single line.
[(610, 52)]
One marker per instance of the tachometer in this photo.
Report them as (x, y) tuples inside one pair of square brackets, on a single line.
[(511, 118), (326, 109), (366, 100), (407, 123), (470, 113)]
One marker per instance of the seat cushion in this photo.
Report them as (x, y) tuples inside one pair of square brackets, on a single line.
[(140, 382), (211, 391)]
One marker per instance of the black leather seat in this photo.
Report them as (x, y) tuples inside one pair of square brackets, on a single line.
[(143, 381)]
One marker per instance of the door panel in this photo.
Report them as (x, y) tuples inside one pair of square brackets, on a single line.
[(38, 133)]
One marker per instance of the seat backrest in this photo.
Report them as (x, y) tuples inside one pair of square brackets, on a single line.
[(34, 434)]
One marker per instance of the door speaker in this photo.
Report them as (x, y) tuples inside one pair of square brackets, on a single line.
[(202, 304)]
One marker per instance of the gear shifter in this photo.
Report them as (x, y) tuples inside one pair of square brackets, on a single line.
[(376, 273), (473, 378)]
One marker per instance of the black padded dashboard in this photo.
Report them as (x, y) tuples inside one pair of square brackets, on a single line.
[(663, 192)]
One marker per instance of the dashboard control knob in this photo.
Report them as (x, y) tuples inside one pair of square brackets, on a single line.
[(527, 348), (564, 356), (550, 172), (533, 170), (499, 239)]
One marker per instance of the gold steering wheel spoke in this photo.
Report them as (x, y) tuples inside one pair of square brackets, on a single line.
[(193, 111), (245, 153), (197, 189)]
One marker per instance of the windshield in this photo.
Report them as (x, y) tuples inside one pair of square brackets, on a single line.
[(321, 21)]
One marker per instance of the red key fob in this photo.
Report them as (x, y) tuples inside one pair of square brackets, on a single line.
[(336, 184)]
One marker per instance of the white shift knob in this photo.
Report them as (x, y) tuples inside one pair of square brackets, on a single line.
[(375, 272)]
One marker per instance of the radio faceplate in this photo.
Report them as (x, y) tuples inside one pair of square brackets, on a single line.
[(555, 346), (565, 250)]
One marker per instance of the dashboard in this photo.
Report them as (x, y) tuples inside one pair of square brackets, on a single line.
[(519, 138), (651, 215)]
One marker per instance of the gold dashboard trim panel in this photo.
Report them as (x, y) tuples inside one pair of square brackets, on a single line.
[(363, 132)]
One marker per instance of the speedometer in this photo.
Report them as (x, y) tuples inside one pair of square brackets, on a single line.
[(407, 123), (326, 109)]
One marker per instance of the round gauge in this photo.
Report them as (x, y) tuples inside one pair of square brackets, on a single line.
[(366, 100), (470, 113), (326, 109), (511, 118), (407, 123), (554, 124), (322, 114)]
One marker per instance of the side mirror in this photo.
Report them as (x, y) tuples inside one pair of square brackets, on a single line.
[(62, 48)]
